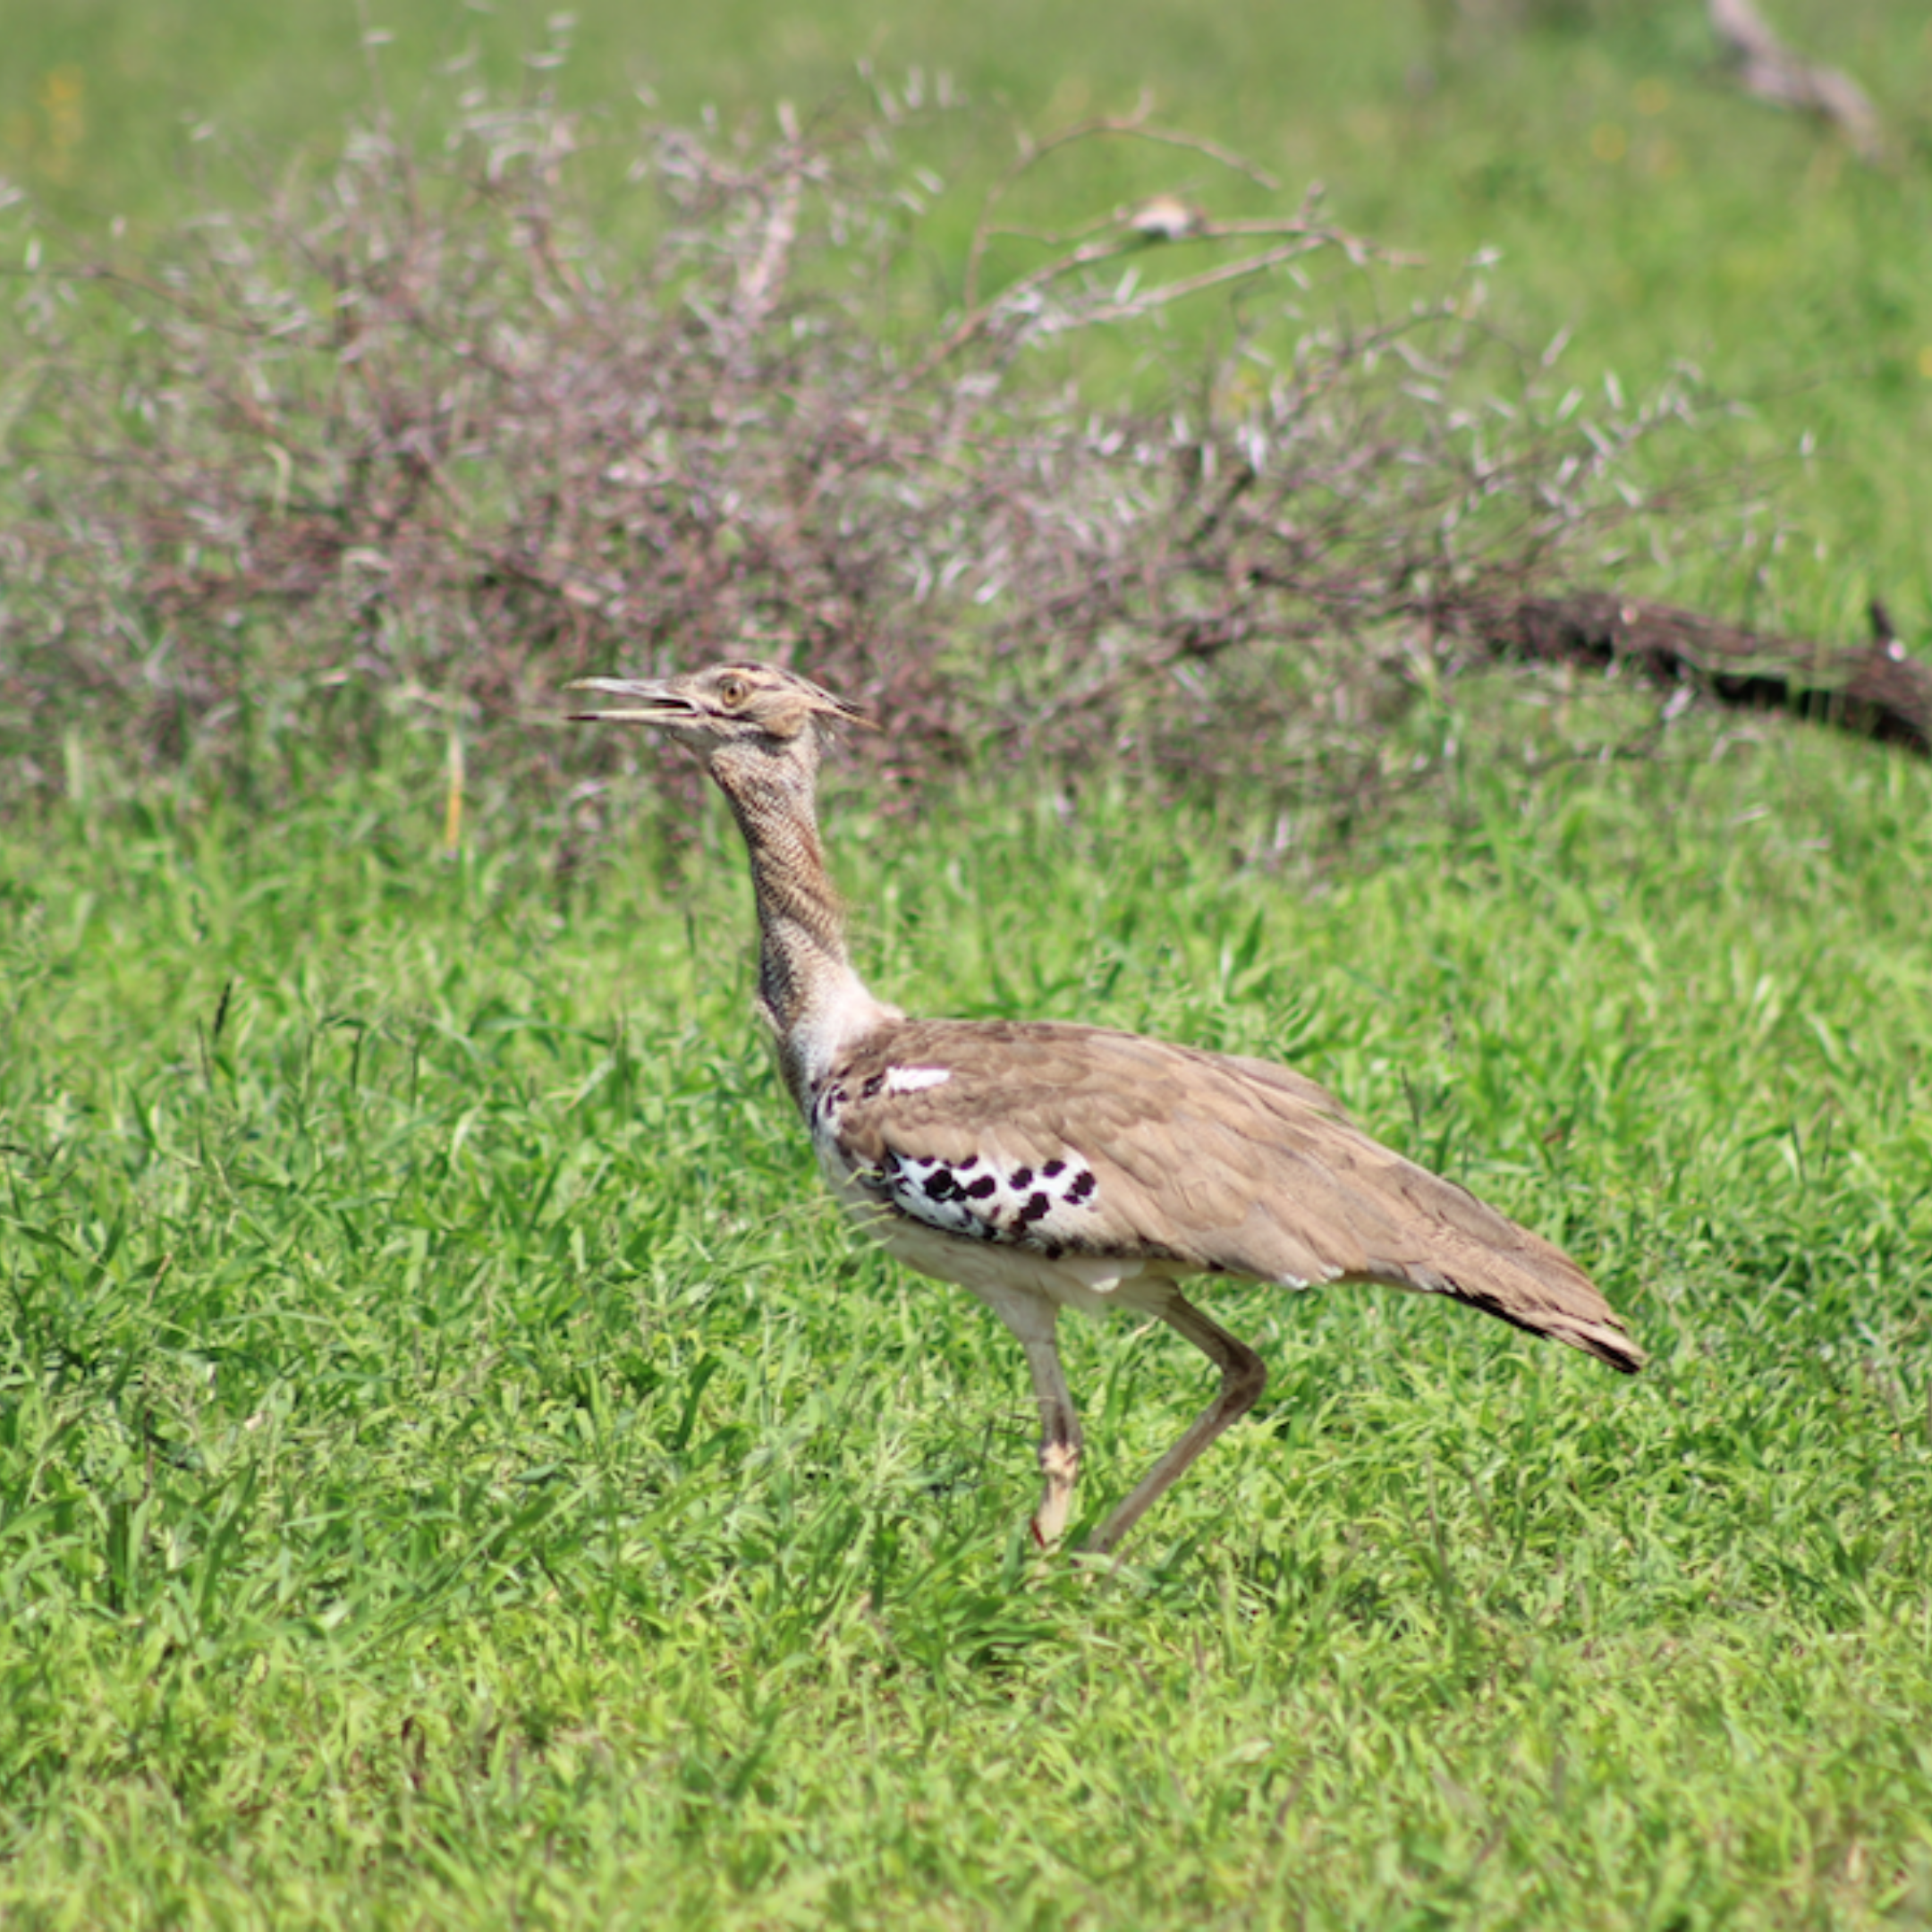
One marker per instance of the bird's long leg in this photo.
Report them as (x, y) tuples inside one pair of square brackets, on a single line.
[(1244, 1376), (1033, 1320), (1059, 1440)]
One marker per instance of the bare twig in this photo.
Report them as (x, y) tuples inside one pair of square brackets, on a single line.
[(1023, 306), (1766, 67), (1127, 127)]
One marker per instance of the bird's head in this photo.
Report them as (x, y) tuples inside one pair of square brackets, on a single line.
[(735, 716)]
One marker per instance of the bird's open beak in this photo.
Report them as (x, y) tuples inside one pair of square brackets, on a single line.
[(653, 702)]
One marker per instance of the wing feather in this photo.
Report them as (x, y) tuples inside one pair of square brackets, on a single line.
[(1210, 1163)]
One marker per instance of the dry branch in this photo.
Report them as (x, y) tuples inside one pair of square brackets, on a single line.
[(1766, 67), (1877, 691)]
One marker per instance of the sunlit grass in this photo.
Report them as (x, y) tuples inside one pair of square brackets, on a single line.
[(455, 1467), (453, 1459)]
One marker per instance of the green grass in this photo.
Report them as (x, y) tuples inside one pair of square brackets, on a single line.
[(455, 1467), (456, 1470)]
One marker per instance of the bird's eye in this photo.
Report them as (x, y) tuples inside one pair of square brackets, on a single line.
[(732, 691)]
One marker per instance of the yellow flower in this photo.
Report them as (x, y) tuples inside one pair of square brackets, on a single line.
[(59, 96)]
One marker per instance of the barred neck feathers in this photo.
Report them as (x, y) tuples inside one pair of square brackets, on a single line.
[(816, 1006)]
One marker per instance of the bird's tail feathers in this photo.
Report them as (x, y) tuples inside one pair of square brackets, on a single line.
[(1598, 1332)]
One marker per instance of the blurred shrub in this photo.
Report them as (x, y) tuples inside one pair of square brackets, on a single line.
[(434, 427)]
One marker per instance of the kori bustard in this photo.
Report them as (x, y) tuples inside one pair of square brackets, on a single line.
[(1044, 1166)]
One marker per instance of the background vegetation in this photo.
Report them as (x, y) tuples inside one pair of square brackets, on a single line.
[(454, 1468)]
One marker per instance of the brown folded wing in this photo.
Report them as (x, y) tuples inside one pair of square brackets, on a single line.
[(1215, 1164)]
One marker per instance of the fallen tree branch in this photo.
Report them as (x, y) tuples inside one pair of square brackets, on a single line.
[(1875, 691), (1765, 66)]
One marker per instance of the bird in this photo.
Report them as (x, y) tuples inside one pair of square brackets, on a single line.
[(1044, 1166)]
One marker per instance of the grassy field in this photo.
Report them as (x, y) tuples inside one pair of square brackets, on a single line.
[(457, 1470)]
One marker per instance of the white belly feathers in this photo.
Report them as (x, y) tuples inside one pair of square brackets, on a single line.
[(985, 1226)]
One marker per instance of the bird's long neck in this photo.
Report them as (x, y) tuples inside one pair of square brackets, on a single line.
[(813, 1001)]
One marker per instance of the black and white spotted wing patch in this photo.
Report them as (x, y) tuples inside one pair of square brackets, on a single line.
[(1048, 1207)]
